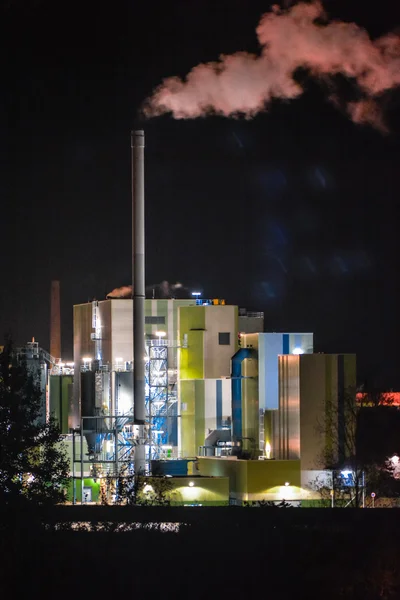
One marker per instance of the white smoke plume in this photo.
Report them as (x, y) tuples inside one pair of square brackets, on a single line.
[(155, 290), (299, 37)]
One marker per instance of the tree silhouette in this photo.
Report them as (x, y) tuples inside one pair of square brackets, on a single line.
[(34, 469)]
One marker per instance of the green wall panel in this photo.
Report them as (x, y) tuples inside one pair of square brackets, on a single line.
[(187, 421), (192, 362), (87, 482)]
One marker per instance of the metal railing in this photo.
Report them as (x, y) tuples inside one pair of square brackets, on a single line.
[(251, 314), (167, 343)]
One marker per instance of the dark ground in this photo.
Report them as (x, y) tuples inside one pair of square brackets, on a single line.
[(309, 553)]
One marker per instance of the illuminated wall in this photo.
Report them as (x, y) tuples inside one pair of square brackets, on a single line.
[(208, 335), (252, 480), (116, 343), (205, 406), (259, 388), (207, 491), (312, 388), (163, 315), (268, 347), (184, 491)]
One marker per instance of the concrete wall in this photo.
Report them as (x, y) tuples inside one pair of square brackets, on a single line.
[(199, 329), (217, 358)]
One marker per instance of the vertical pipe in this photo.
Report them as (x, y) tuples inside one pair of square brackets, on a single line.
[(138, 293), (116, 453), (55, 320), (82, 483), (73, 469), (363, 489)]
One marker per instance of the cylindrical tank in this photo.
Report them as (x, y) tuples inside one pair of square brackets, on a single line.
[(91, 427), (60, 395)]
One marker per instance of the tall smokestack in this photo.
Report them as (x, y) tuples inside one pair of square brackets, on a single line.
[(55, 320), (138, 283)]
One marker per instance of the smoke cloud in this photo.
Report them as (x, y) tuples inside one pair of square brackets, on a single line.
[(299, 37), (155, 290)]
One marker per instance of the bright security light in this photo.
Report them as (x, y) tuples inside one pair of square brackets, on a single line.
[(395, 460), (196, 294), (268, 450), (191, 483), (160, 334), (298, 350), (287, 483)]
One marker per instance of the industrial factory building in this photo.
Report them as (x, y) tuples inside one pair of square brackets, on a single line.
[(220, 402), (191, 389), (231, 415)]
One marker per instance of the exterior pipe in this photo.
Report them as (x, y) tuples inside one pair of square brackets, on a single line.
[(236, 382), (138, 294)]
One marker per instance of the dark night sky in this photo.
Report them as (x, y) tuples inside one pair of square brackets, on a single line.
[(293, 213)]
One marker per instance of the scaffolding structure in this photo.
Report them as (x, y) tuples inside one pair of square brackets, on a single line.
[(110, 432), (110, 446), (161, 401)]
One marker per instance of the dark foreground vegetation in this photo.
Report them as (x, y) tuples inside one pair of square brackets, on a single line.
[(233, 552)]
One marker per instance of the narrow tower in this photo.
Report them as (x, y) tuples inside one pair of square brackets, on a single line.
[(55, 320), (138, 294)]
